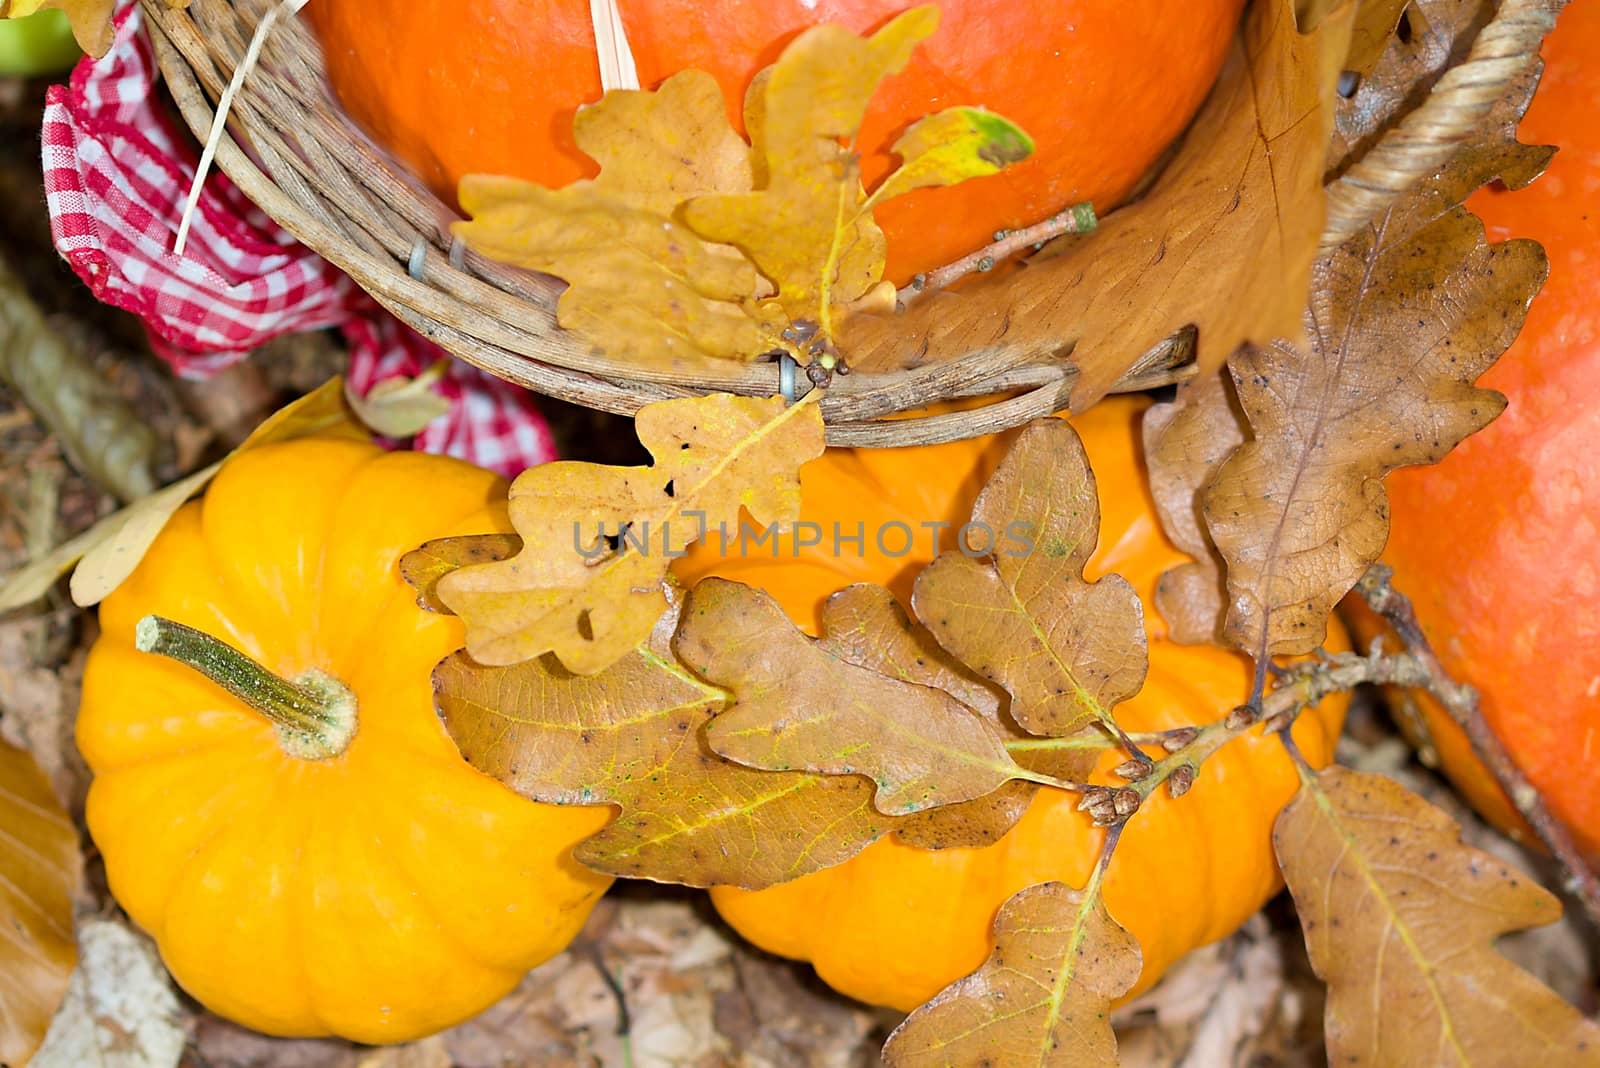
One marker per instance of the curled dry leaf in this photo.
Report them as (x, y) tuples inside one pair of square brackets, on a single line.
[(920, 746), (1065, 649), (1400, 920), (402, 407), (1372, 34), (1224, 239), (1403, 320), (1043, 998), (108, 552), (589, 583), (40, 870), (1185, 441), (424, 566), (91, 19), (633, 735), (120, 1011), (691, 244)]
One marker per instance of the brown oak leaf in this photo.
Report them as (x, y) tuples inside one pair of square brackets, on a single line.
[(1223, 239), (633, 736), (40, 870), (919, 745), (1186, 440), (866, 625), (425, 565), (1043, 998), (1400, 920), (589, 583), (1065, 649), (1403, 319)]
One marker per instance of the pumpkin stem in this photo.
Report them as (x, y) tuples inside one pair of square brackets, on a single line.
[(315, 714)]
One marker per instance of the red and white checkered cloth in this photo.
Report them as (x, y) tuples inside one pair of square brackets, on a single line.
[(117, 170)]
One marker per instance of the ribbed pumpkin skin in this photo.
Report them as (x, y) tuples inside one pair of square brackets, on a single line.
[(491, 86), (1499, 543), (895, 925), (380, 895)]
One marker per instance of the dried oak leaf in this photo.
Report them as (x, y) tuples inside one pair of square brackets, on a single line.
[(40, 870), (1427, 38), (918, 745), (1403, 319), (90, 19), (634, 736), (1375, 27), (810, 228), (1065, 649), (641, 285), (1043, 998), (690, 243), (866, 626), (425, 565), (1224, 239), (590, 601), (1400, 919), (1186, 440)]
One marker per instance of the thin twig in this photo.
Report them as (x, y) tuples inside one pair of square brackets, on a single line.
[(1078, 219), (1461, 701), (1301, 687)]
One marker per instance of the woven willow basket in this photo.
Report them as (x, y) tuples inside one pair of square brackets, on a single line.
[(312, 171)]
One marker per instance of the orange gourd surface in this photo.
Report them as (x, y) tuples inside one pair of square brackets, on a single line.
[(491, 87), (896, 924), (380, 894), (1499, 545)]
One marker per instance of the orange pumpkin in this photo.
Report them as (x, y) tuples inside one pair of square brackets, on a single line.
[(896, 924), (346, 873), (491, 86), (1499, 544)]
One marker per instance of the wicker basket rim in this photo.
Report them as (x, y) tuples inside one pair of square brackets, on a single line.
[(317, 176)]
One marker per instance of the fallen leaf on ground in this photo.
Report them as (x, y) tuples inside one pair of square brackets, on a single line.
[(919, 745), (1400, 920), (1224, 239), (590, 601), (1065, 649), (120, 1011), (1403, 319), (1041, 1000), (108, 552), (40, 870), (633, 735)]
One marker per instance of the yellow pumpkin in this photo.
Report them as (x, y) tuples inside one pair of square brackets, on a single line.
[(896, 924), (328, 876)]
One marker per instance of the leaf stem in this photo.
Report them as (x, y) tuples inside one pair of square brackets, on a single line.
[(315, 714), (1462, 703)]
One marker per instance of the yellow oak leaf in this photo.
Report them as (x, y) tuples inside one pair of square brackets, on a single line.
[(690, 244), (589, 583)]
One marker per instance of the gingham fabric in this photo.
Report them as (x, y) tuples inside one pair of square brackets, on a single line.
[(117, 169)]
